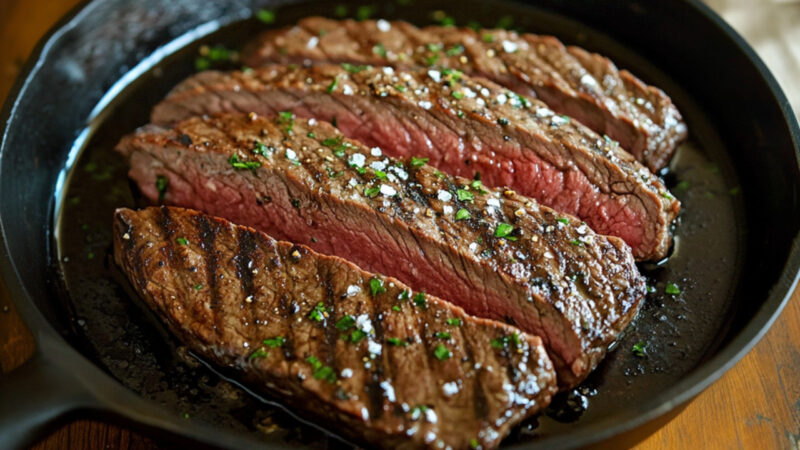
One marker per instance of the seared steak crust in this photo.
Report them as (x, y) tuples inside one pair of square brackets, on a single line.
[(314, 330), (572, 81), (465, 126), (495, 253)]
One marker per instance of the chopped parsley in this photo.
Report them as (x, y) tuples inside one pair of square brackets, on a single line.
[(400, 87), (352, 68), (667, 195), (672, 289), (197, 287), (419, 300), (321, 371), (376, 286), (372, 191), (380, 174), (505, 341), (318, 313), (397, 342), (455, 50), (474, 443), (260, 353), (357, 335), (266, 16), (364, 12), (182, 241), (332, 86), (458, 95), (311, 134), (478, 186), (504, 230), (379, 50), (488, 38), (576, 242), (161, 187), (238, 164), (464, 195), (639, 349), (403, 295), (462, 214), (275, 342), (396, 308), (442, 353), (260, 149), (563, 220), (345, 323), (443, 335), (418, 162), (454, 321)]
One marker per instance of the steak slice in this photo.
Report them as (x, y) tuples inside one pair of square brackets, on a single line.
[(465, 126), (496, 254), (572, 81), (337, 344)]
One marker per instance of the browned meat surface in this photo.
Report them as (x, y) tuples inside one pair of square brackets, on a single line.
[(465, 126), (572, 81), (495, 253), (360, 353)]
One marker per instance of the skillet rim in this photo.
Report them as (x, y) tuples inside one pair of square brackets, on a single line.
[(679, 394)]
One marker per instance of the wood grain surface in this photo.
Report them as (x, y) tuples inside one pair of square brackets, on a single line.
[(755, 405)]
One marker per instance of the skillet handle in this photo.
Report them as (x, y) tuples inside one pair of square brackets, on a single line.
[(32, 396)]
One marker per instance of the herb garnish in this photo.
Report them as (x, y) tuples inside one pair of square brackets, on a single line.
[(352, 68), (236, 163), (464, 195), (563, 220), (380, 50), (420, 301), (277, 341), (506, 340), (333, 85), (376, 286), (672, 289), (397, 342), (345, 323), (321, 371), (318, 313), (504, 230), (462, 214), (161, 187), (442, 353), (266, 16), (418, 162), (260, 353), (639, 349), (454, 321), (442, 335), (372, 191), (182, 241)]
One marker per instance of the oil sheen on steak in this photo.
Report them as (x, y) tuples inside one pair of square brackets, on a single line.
[(496, 254), (465, 126), (358, 352), (572, 81)]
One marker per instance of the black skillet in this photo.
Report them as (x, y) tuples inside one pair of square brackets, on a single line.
[(97, 74)]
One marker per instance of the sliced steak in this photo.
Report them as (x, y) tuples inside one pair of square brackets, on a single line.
[(353, 350), (465, 126), (496, 254), (570, 80)]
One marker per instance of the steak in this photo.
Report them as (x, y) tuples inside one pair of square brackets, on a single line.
[(495, 253), (572, 81), (359, 352), (465, 126)]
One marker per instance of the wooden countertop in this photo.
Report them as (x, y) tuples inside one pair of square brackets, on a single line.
[(755, 405)]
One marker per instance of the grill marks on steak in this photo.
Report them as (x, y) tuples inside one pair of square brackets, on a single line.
[(464, 126), (551, 275), (570, 80), (311, 330)]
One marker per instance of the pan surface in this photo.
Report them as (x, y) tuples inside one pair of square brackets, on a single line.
[(734, 260)]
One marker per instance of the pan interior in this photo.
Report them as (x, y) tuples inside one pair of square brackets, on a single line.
[(677, 332)]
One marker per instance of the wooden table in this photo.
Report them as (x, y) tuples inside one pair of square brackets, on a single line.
[(755, 405)]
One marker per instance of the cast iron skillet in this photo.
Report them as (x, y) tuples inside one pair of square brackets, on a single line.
[(733, 105)]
